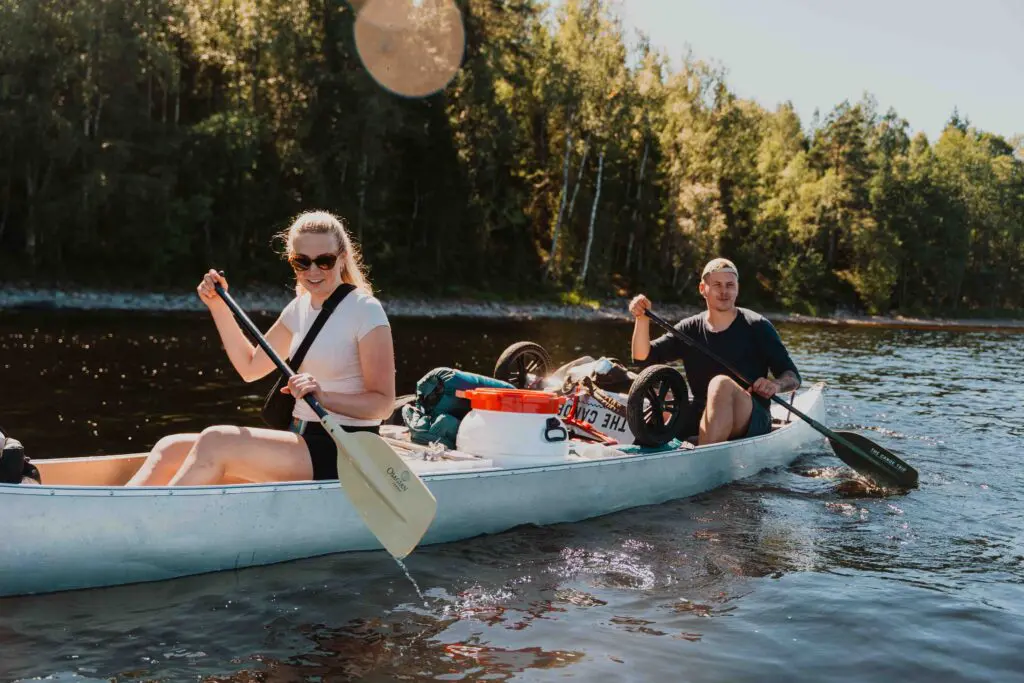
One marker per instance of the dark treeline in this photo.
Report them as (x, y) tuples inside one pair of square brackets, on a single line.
[(143, 140)]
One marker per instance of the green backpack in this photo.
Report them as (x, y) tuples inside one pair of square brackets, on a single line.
[(437, 411)]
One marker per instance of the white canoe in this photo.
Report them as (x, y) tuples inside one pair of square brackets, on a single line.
[(84, 529)]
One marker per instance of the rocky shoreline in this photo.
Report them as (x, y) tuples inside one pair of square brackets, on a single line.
[(271, 300)]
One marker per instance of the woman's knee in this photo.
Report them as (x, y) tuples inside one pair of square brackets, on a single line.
[(220, 443), (212, 443)]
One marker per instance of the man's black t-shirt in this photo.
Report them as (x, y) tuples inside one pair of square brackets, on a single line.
[(750, 344)]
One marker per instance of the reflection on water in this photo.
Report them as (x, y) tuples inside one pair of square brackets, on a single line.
[(795, 574), (389, 650)]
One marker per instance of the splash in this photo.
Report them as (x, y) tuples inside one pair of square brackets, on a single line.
[(415, 585)]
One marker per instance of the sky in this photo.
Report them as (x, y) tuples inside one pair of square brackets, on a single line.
[(921, 57)]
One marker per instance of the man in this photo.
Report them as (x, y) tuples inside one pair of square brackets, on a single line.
[(742, 337)]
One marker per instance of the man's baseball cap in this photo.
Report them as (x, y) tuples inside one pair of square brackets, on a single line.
[(720, 265)]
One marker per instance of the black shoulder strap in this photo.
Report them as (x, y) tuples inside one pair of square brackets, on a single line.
[(336, 297)]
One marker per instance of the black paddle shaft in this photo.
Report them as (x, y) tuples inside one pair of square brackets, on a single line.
[(874, 461), (254, 332)]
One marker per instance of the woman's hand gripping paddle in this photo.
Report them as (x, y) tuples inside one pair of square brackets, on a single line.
[(394, 503), (856, 450)]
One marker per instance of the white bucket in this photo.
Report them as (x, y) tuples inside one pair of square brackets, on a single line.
[(513, 439)]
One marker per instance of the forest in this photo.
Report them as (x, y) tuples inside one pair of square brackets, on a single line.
[(143, 141)]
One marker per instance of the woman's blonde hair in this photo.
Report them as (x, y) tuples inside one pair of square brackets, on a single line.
[(323, 222)]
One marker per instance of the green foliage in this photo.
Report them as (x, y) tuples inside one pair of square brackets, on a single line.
[(577, 298), (141, 142)]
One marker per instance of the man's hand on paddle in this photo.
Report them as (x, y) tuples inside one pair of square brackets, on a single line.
[(638, 305), (765, 387)]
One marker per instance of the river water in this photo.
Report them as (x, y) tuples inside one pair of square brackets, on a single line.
[(796, 574)]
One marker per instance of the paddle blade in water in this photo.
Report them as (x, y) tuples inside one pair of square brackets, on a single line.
[(872, 460), (395, 503)]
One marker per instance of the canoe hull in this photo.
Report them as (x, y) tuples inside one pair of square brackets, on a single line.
[(71, 537)]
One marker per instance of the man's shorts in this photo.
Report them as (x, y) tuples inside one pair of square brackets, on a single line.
[(760, 420)]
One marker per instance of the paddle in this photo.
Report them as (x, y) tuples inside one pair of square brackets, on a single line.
[(856, 450), (394, 503)]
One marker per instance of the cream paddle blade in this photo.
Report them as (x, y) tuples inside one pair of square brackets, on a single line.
[(394, 503)]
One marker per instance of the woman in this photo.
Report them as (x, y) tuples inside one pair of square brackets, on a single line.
[(350, 369)]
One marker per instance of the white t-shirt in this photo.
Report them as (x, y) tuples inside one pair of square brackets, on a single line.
[(333, 358)]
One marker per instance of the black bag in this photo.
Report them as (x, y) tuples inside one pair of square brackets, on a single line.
[(278, 407), (15, 466)]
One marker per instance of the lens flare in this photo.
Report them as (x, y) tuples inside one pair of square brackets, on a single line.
[(411, 47)]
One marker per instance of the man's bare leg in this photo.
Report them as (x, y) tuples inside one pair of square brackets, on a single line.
[(728, 410)]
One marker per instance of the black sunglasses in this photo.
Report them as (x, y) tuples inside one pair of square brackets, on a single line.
[(303, 262)]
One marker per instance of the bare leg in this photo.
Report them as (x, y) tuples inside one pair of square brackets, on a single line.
[(727, 414), (251, 454), (164, 460)]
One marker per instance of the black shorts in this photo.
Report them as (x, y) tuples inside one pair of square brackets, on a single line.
[(760, 420), (323, 452)]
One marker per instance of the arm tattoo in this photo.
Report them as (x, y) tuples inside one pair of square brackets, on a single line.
[(787, 381)]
